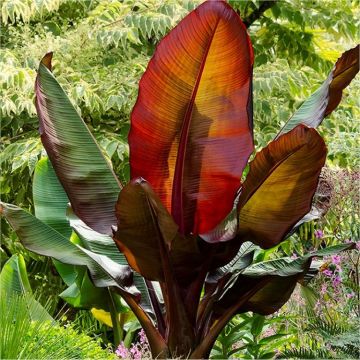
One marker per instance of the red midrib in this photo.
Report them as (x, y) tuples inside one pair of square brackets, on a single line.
[(177, 190)]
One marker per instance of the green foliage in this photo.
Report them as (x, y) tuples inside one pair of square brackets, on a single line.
[(135, 23), (251, 336), (14, 282), (340, 340), (16, 11), (22, 338), (64, 342)]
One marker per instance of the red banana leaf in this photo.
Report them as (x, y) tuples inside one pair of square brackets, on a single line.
[(191, 127)]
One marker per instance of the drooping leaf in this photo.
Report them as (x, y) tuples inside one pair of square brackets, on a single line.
[(42, 239), (51, 206), (86, 176), (325, 99), (278, 277), (82, 293), (279, 188), (191, 127), (272, 296), (243, 259), (105, 245), (51, 202), (94, 241)]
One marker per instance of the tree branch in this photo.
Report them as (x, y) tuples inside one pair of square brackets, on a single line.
[(256, 14)]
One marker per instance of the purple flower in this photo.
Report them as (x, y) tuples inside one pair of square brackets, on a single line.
[(337, 281), (143, 338), (135, 352), (122, 352), (327, 272), (336, 259), (319, 234), (350, 295), (323, 290)]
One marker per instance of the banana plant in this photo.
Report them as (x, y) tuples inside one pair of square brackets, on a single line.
[(186, 225)]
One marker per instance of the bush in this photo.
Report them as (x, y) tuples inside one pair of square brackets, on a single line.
[(23, 338)]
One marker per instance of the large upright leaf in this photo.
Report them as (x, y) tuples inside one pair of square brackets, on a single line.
[(325, 99), (279, 188), (191, 127), (146, 235), (13, 277), (86, 176)]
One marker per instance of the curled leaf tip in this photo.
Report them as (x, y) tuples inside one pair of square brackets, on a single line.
[(46, 60)]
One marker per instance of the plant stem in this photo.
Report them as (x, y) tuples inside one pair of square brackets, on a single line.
[(202, 351), (156, 306), (157, 343), (117, 328)]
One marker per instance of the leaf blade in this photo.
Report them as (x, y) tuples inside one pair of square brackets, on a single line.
[(87, 178), (279, 277), (42, 239), (325, 99), (191, 127), (50, 199), (279, 188)]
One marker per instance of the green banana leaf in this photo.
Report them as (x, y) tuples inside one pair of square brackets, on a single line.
[(328, 96), (44, 240), (105, 245), (51, 206)]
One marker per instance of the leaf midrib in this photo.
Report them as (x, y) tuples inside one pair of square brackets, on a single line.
[(177, 190)]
